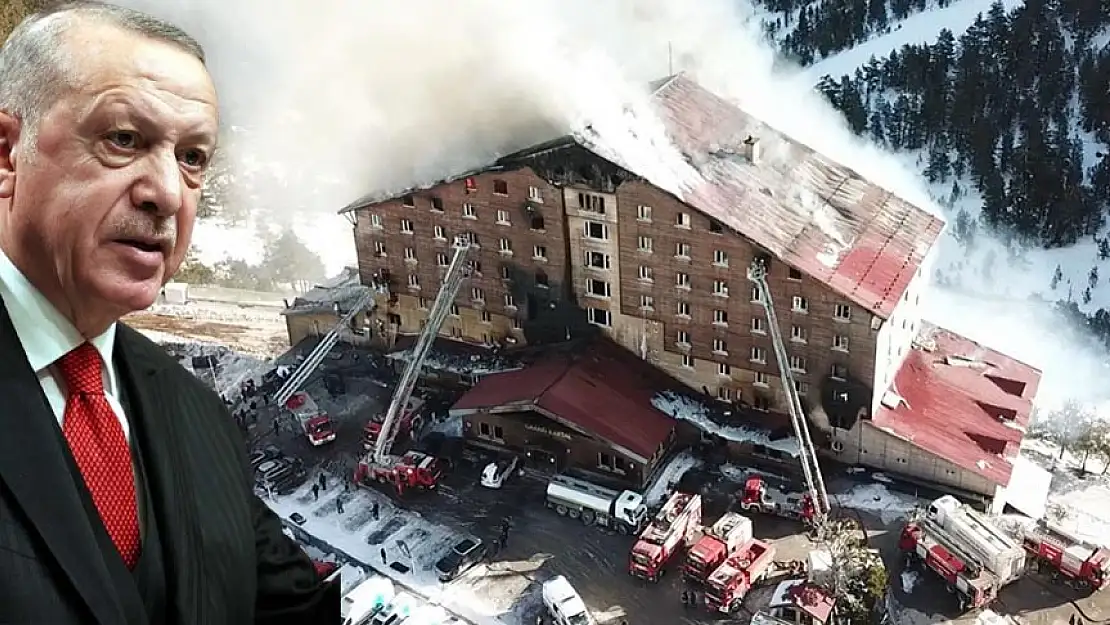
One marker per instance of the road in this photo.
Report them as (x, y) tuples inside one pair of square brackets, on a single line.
[(543, 544)]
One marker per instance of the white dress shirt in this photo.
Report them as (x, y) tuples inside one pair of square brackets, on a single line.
[(46, 336)]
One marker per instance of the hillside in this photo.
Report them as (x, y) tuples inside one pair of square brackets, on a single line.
[(1005, 109)]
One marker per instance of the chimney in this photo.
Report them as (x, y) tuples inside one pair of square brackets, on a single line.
[(752, 149)]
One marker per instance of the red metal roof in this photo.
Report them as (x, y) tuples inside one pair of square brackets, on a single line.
[(816, 215), (603, 390), (961, 401)]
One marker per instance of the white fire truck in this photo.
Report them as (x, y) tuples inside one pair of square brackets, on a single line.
[(623, 511), (980, 538)]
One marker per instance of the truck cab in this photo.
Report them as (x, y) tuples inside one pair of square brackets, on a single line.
[(411, 420), (314, 422)]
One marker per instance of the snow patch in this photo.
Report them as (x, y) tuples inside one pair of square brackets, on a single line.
[(879, 500), (451, 427), (910, 578), (687, 409), (404, 536), (1084, 513), (990, 617), (666, 480)]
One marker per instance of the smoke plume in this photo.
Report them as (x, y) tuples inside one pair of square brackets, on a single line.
[(339, 99)]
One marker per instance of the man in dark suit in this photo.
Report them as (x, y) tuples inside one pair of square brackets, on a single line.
[(125, 494)]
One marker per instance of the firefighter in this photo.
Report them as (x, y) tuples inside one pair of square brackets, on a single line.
[(323, 481), (339, 504), (316, 492), (374, 511)]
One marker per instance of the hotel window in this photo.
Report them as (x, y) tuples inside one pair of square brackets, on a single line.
[(683, 338), (406, 226), (647, 302), (840, 343), (376, 221), (761, 379), (798, 364), (723, 370), (758, 355), (439, 233), (503, 218), (720, 317), (682, 220), (645, 273), (842, 312), (757, 326), (379, 248), (688, 361), (682, 251), (799, 304), (720, 288), (682, 280), (414, 281), (798, 334), (643, 213), (720, 347), (682, 309), (437, 204), (720, 258), (644, 244)]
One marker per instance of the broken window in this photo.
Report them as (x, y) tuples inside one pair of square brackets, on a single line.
[(541, 278), (408, 201), (500, 187), (715, 226), (537, 222), (437, 204)]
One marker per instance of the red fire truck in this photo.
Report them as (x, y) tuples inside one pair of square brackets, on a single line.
[(719, 541), (927, 543), (410, 422), (1068, 558), (758, 496), (315, 423), (730, 582), (668, 532), (413, 470)]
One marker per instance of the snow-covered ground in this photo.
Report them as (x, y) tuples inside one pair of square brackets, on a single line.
[(665, 481), (917, 29), (876, 499), (487, 595), (688, 409)]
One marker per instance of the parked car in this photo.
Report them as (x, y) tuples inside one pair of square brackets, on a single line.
[(281, 475), (366, 600), (496, 472), (461, 558)]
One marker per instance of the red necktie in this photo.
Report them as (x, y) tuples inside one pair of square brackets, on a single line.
[(96, 439)]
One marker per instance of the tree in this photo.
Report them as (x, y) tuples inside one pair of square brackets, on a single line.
[(192, 271), (289, 261), (1067, 426), (1095, 440)]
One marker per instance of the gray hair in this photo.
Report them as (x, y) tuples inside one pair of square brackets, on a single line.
[(36, 65)]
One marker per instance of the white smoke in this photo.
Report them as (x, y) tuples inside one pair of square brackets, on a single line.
[(340, 99)]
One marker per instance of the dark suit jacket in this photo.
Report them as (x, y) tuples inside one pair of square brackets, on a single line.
[(226, 559)]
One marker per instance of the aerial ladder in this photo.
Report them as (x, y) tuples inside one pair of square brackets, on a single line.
[(380, 463), (318, 353), (815, 482)]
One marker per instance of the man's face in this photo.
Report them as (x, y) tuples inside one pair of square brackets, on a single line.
[(101, 214)]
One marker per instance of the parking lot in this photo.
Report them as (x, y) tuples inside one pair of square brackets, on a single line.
[(542, 544)]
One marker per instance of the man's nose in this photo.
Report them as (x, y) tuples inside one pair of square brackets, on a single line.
[(159, 188)]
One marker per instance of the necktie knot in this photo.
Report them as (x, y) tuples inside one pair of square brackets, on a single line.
[(81, 370)]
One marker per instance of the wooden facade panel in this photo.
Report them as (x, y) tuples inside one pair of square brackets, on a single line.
[(709, 246), (489, 207)]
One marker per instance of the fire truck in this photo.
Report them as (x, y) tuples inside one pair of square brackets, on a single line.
[(623, 511), (719, 541), (412, 421), (977, 536), (1067, 558), (730, 582), (314, 422), (759, 496), (814, 505), (675, 524), (414, 469), (924, 542)]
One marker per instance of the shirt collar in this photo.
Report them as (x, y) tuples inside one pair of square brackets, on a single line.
[(45, 333)]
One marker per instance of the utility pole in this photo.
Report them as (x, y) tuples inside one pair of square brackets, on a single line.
[(670, 59)]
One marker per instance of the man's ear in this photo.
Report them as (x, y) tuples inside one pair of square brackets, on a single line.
[(9, 139)]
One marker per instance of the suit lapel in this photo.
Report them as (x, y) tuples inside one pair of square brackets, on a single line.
[(34, 467), (154, 417)]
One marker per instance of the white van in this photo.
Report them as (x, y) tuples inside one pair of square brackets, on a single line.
[(564, 604), (366, 599)]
